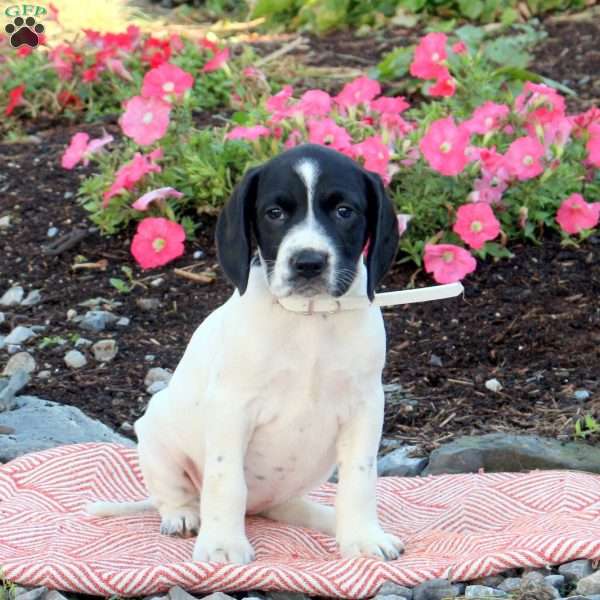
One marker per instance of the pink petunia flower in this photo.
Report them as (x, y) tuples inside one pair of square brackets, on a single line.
[(444, 146), (447, 262), (157, 242), (476, 224), (278, 104), (487, 117), (540, 103), (430, 56), (557, 132), (63, 58), (327, 133), (444, 87), (208, 45), (176, 42), (459, 48), (575, 214), (166, 82), (294, 138), (593, 145), (130, 173), (248, 133), (145, 120), (156, 52), (389, 105), (375, 154), (360, 91), (116, 66), (313, 103), (218, 61), (488, 189), (523, 158), (144, 201), (15, 98), (81, 149)]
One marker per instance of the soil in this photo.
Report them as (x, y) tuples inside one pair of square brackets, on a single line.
[(531, 322)]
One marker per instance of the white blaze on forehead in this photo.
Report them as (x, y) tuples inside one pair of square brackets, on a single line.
[(308, 171)]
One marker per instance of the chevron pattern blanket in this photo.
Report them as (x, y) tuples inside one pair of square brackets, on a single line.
[(456, 526)]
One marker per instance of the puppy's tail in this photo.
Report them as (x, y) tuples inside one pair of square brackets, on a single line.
[(117, 509)]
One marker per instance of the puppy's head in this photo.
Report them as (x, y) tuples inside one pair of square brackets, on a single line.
[(311, 211)]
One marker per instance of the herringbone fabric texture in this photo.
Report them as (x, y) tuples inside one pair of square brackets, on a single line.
[(456, 526)]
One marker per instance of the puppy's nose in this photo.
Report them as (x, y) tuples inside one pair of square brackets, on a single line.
[(309, 263)]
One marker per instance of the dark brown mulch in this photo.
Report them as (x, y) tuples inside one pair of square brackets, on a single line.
[(531, 322)]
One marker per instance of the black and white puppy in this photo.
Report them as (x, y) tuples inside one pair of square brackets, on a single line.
[(266, 402)]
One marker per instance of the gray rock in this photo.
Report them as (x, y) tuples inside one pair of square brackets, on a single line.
[(19, 335), (34, 297), (22, 361), (510, 584), (589, 585), (157, 282), (582, 395), (576, 569), (11, 388), (5, 222), (389, 597), (123, 322), (458, 589), (149, 357), (34, 594), (434, 589), (435, 361), (41, 424), (52, 232), (493, 385), (75, 360), (2, 318), (105, 350), (556, 581), (483, 591), (83, 343), (397, 463), (157, 375), (393, 589), (44, 374), (12, 296), (53, 595), (396, 396), (496, 452), (71, 314), (97, 320), (177, 593), (282, 596), (148, 304), (156, 387), (198, 254), (489, 581)]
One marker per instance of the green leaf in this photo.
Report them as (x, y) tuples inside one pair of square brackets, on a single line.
[(268, 8), (395, 65), (470, 35), (120, 285), (470, 8)]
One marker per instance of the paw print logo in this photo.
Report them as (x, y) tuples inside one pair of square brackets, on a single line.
[(24, 31)]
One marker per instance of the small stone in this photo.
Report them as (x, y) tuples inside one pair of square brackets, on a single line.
[(52, 232), (5, 222), (44, 374), (149, 357), (398, 463), (157, 282), (75, 359), (2, 318), (11, 388), (576, 569), (389, 597), (434, 589), (83, 343), (126, 426), (278, 596), (34, 297), (489, 581), (556, 581), (18, 335), (105, 350), (157, 375), (12, 296), (20, 361), (435, 361), (493, 385), (198, 254), (483, 591), (123, 322), (393, 589), (97, 320), (148, 304), (68, 195), (13, 348), (34, 594), (53, 595), (510, 584), (589, 585), (71, 314), (582, 395), (157, 386)]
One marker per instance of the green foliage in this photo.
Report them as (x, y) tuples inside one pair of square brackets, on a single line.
[(586, 427), (322, 16)]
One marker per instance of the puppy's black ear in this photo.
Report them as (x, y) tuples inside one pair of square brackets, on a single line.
[(234, 231), (382, 228)]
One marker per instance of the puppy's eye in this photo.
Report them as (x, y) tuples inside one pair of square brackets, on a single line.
[(344, 212), (275, 214)]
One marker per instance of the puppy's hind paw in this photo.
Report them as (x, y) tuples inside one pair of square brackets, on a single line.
[(183, 522), (216, 549), (374, 543)]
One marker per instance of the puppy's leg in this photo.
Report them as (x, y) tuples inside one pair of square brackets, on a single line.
[(303, 512), (170, 489), (358, 530), (222, 536)]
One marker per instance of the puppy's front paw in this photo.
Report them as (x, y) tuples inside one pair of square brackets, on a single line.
[(373, 542), (217, 548), (184, 521)]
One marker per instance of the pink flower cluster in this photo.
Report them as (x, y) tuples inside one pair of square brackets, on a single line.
[(429, 62)]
